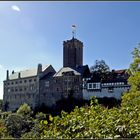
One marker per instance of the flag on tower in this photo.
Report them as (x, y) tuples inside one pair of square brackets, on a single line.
[(74, 30), (73, 26)]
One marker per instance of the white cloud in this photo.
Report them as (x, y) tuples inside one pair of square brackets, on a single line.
[(15, 8)]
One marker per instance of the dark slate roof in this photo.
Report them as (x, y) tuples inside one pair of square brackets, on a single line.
[(114, 80), (111, 79), (106, 81), (26, 73), (83, 70), (47, 76)]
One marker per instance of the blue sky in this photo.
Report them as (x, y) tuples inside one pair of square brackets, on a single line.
[(33, 32)]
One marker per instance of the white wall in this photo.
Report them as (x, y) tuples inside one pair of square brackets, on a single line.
[(117, 93)]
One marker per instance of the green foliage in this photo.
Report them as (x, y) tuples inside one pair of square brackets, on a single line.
[(3, 130), (19, 123), (40, 116), (24, 110), (15, 125), (35, 130), (135, 65), (100, 67), (94, 121), (134, 81)]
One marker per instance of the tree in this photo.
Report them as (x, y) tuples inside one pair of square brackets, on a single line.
[(15, 125), (100, 69), (135, 65), (134, 81), (20, 122), (134, 70), (24, 110)]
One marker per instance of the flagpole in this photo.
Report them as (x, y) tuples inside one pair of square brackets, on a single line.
[(73, 31)]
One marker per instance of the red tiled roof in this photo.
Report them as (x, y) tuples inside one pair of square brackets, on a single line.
[(120, 71)]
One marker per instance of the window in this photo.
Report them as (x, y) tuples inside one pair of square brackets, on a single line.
[(110, 90), (31, 87), (25, 81), (34, 80), (16, 82), (30, 80), (9, 90), (20, 81), (90, 86), (12, 83), (98, 86), (94, 86), (46, 83)]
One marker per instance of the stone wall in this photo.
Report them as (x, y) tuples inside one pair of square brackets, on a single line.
[(19, 91)]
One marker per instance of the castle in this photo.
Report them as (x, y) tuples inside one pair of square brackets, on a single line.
[(44, 86)]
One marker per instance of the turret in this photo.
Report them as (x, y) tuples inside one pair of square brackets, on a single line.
[(19, 76), (7, 75), (39, 69)]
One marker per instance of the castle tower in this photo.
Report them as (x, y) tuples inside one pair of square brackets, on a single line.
[(72, 52)]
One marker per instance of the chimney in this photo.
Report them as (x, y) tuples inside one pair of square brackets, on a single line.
[(19, 75), (7, 76), (13, 72), (39, 69)]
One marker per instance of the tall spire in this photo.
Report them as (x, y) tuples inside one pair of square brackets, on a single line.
[(73, 31)]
